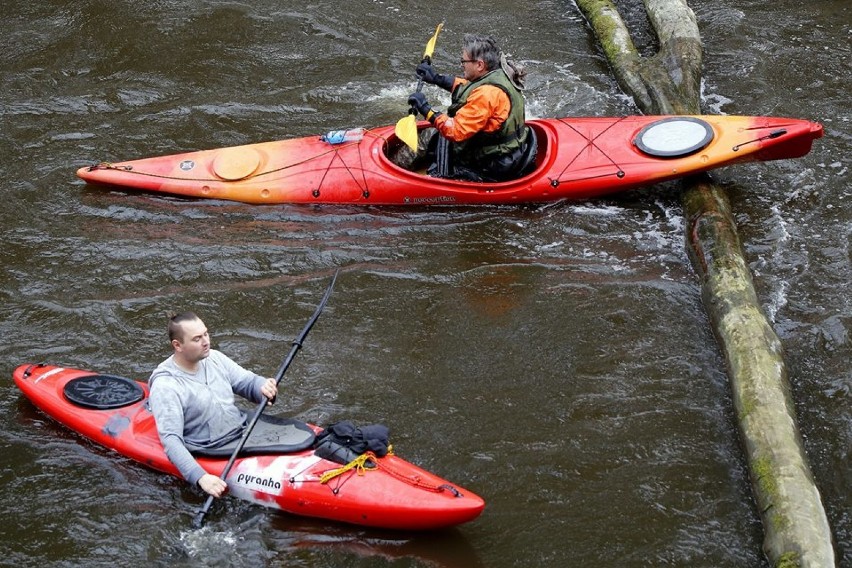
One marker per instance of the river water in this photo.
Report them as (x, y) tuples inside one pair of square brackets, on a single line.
[(556, 359)]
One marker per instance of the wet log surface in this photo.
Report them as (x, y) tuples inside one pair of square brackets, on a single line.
[(796, 531)]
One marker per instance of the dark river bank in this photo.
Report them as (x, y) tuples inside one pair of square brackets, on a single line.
[(556, 359)]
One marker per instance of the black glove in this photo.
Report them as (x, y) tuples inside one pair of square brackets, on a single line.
[(426, 72), (419, 103)]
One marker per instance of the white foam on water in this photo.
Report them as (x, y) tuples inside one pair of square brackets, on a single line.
[(780, 238), (204, 541), (597, 210)]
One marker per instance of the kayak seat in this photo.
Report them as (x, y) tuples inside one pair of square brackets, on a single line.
[(528, 161), (102, 392), (271, 435)]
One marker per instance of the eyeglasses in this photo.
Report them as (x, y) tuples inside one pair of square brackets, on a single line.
[(463, 61)]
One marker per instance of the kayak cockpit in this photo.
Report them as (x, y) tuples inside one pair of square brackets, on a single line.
[(270, 435), (533, 161)]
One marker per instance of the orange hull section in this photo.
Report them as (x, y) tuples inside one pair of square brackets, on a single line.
[(578, 158), (395, 495)]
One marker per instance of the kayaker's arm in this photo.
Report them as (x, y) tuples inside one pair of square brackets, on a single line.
[(486, 110), (248, 385), (168, 415), (177, 453)]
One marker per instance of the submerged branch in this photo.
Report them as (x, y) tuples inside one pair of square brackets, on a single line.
[(795, 525)]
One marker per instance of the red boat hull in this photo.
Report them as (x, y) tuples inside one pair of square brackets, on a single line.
[(578, 158), (395, 494)]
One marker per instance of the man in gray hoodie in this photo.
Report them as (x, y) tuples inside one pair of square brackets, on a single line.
[(192, 399)]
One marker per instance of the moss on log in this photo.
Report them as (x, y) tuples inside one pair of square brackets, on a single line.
[(795, 525)]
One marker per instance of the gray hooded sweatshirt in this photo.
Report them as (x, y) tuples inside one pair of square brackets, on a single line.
[(196, 410)]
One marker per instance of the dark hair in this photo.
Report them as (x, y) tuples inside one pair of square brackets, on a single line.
[(482, 47), (485, 47), (175, 324)]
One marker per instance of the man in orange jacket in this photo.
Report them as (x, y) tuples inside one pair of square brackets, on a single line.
[(484, 124)]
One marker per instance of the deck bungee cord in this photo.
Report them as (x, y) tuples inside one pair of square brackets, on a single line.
[(316, 192), (770, 136), (334, 151), (363, 465), (590, 143)]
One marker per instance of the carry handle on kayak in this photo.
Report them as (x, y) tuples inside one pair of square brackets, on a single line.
[(198, 520)]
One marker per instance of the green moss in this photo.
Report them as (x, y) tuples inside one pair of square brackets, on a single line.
[(762, 470), (608, 27), (747, 406), (767, 487), (789, 560)]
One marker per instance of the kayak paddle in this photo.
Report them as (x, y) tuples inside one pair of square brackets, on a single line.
[(406, 127), (297, 344)]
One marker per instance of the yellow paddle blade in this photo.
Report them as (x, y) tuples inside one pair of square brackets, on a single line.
[(406, 130), (430, 46)]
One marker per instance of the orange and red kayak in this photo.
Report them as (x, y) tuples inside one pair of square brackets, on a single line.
[(385, 492), (575, 158)]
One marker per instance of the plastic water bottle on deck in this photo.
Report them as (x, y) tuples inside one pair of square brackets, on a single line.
[(341, 136)]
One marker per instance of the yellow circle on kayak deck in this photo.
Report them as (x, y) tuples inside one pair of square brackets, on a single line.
[(235, 163)]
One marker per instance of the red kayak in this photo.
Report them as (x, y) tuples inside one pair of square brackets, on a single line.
[(285, 469), (575, 158)]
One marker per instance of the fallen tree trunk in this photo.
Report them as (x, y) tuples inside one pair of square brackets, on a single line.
[(795, 525)]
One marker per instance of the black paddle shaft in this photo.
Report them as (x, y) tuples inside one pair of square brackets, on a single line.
[(413, 110), (198, 521)]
